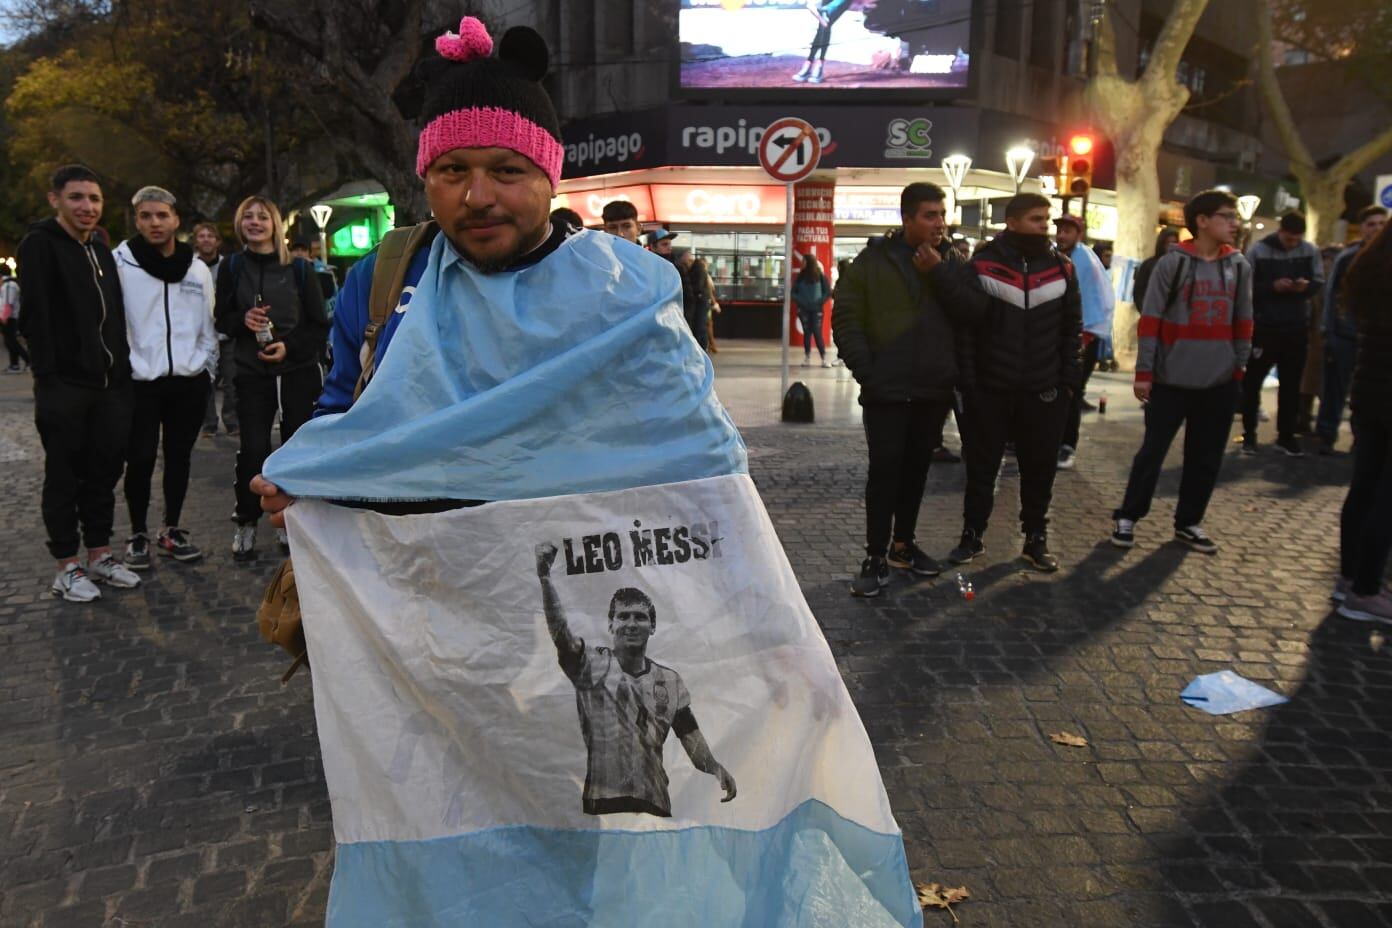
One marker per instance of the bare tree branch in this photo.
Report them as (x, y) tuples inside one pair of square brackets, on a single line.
[(1173, 39), (1106, 49), (1296, 150), (1362, 157), (400, 57)]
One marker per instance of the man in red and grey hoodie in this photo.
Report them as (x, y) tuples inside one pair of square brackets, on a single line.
[(1195, 338)]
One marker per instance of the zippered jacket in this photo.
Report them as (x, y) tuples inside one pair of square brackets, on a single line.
[(1283, 312), (74, 319), (169, 324), (1031, 329), (1196, 321), (1338, 321), (895, 327)]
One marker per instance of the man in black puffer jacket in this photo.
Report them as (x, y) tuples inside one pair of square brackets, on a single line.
[(896, 310), (1021, 367)]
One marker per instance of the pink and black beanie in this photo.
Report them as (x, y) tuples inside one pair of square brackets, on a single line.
[(474, 100)]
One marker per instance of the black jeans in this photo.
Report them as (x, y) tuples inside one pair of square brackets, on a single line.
[(901, 438), (259, 396), (1075, 412), (227, 385), (1207, 419), (1283, 350), (1035, 423), (13, 344), (172, 406), (1365, 526), (84, 432)]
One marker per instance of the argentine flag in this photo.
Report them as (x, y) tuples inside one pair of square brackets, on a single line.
[(598, 699)]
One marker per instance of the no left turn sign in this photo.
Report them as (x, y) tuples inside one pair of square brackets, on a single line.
[(789, 149)]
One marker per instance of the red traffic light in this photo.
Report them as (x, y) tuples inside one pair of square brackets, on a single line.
[(1080, 144)]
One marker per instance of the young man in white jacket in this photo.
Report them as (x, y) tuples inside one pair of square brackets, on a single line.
[(169, 323)]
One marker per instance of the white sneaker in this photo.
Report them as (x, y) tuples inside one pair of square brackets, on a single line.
[(826, 363), (244, 543), (1375, 608), (807, 362), (73, 585), (106, 569), (1067, 457)]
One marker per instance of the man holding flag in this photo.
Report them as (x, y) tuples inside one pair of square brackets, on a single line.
[(537, 391)]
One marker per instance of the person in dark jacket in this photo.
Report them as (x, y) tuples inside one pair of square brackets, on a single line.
[(810, 293), (1167, 239), (1341, 332), (75, 324), (1286, 272), (897, 306), (1365, 529), (1021, 370), (273, 310)]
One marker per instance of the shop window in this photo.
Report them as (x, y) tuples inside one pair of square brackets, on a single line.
[(745, 266), (1042, 37)]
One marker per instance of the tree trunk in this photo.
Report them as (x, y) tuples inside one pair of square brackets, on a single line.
[(1323, 193)]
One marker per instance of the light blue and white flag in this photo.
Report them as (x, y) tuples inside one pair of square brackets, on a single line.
[(654, 734)]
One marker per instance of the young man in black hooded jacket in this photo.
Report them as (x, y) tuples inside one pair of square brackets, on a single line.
[(1021, 367), (75, 324), (897, 308)]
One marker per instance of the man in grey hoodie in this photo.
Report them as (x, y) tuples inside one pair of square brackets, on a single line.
[(1195, 335), (1286, 272)]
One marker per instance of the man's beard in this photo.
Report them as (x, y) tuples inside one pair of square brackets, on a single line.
[(525, 244)]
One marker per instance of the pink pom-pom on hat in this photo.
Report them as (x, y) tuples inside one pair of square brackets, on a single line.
[(472, 41)]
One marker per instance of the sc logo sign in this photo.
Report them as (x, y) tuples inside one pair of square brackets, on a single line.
[(909, 138)]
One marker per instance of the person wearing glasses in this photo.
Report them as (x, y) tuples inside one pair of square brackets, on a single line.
[(1195, 337)]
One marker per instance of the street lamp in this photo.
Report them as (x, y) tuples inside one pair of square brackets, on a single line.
[(1247, 207), (1018, 161), (955, 168), (321, 213)]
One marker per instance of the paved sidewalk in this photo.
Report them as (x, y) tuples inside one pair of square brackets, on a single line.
[(153, 772)]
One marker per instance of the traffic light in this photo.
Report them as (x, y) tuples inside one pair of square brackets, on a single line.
[(1051, 173), (1079, 165)]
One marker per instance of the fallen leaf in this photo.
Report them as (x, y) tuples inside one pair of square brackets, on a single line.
[(1072, 741), (937, 896)]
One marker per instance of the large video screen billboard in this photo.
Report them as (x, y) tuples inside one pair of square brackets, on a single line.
[(771, 45)]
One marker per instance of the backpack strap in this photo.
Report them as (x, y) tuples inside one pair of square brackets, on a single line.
[(393, 260)]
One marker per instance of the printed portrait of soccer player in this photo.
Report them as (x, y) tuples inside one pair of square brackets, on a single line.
[(627, 704)]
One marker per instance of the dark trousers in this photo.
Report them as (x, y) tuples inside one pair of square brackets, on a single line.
[(259, 396), (1339, 357), (172, 406), (12, 343), (1207, 419), (812, 332), (84, 432), (1365, 527), (1075, 411), (1284, 350), (227, 385), (901, 438), (1035, 425)]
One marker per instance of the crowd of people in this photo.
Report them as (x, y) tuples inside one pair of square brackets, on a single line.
[(127, 345)]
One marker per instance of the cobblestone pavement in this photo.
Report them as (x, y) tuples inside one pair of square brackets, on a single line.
[(155, 773)]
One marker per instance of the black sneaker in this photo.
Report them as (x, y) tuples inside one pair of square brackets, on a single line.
[(1037, 553), (174, 542), (969, 547), (911, 557), (1124, 533), (1067, 457), (1196, 538), (1290, 447), (1249, 444), (137, 555), (874, 575)]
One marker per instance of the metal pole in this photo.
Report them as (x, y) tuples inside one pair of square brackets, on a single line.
[(787, 291)]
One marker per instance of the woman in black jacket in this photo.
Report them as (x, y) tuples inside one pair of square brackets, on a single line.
[(1167, 238), (273, 310), (1366, 521)]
